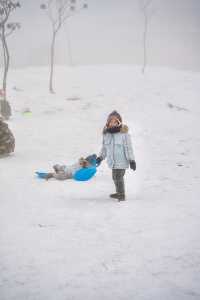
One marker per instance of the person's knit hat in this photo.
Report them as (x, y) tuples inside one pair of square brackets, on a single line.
[(114, 113)]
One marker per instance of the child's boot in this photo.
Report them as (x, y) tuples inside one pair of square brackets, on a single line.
[(115, 195), (118, 196), (117, 175), (120, 190), (121, 197), (48, 176)]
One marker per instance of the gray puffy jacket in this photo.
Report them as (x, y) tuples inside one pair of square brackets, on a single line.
[(117, 148)]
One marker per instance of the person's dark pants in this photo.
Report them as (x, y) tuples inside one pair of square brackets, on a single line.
[(118, 178)]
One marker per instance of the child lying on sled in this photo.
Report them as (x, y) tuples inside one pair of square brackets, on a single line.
[(63, 172)]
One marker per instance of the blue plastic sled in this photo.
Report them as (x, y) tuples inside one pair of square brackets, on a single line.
[(85, 174), (80, 175), (41, 174)]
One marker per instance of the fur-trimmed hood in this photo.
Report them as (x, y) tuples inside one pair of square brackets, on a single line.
[(123, 129)]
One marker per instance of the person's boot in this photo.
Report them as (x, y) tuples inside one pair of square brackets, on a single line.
[(120, 190), (48, 176), (118, 196), (115, 195), (121, 197)]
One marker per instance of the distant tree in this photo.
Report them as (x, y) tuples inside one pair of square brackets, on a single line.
[(145, 7), (58, 11), (6, 29), (69, 49)]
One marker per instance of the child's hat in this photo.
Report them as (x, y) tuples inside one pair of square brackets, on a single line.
[(114, 113)]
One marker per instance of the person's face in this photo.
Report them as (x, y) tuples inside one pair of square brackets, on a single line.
[(113, 122), (84, 163)]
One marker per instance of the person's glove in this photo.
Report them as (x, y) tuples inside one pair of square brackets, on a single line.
[(99, 160), (133, 165)]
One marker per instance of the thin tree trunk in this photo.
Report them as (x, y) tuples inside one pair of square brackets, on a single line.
[(5, 108), (51, 90), (7, 64), (144, 43), (69, 46), (4, 63)]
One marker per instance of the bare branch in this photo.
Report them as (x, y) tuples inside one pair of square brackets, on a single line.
[(58, 11), (146, 4), (49, 10), (10, 32), (72, 14), (12, 28), (64, 10)]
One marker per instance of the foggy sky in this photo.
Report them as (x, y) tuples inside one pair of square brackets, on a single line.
[(110, 32)]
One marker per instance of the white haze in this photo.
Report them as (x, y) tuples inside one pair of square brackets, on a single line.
[(110, 32)]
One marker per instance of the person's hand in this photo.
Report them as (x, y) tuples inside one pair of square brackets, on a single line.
[(133, 165), (99, 160)]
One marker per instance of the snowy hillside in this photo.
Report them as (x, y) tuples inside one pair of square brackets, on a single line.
[(69, 240)]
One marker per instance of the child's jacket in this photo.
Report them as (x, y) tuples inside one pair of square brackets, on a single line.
[(117, 148), (66, 172)]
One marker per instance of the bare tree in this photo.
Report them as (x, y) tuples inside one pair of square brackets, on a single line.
[(69, 48), (145, 5), (58, 11), (6, 29)]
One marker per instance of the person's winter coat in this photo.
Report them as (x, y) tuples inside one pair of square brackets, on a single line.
[(66, 171), (117, 148)]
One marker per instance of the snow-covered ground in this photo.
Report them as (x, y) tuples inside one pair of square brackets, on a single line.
[(68, 240)]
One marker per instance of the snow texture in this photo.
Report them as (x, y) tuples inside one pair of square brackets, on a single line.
[(68, 240)]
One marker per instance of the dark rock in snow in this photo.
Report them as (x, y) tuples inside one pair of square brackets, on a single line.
[(7, 140)]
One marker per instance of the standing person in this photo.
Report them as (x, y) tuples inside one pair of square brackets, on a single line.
[(117, 148)]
